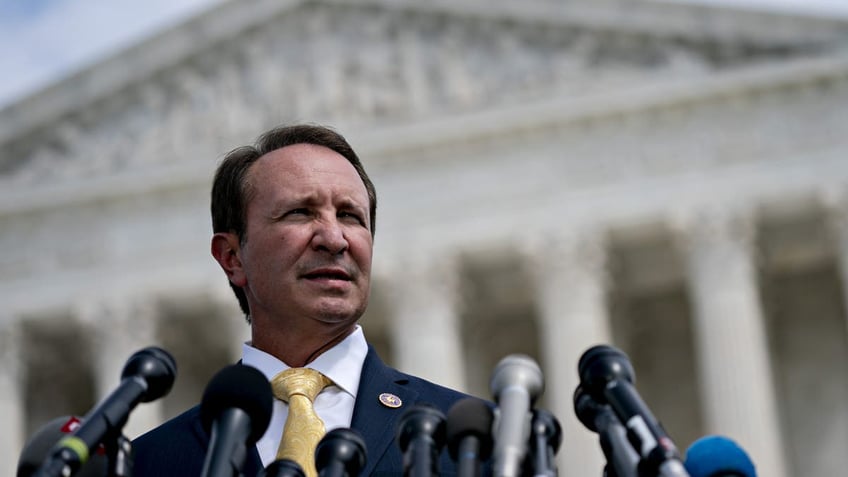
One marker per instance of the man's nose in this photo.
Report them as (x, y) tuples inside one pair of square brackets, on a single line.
[(329, 236)]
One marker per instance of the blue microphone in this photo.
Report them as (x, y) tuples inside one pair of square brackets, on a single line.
[(718, 456)]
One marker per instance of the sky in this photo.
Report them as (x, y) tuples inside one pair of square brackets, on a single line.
[(42, 41)]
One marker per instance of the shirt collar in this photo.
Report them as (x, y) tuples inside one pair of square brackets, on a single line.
[(342, 363)]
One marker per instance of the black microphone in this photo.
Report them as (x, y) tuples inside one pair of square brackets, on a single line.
[(236, 409), (607, 375), (38, 448), (147, 375), (545, 439), (516, 384), (718, 456), (622, 459), (469, 435), (282, 468), (421, 436), (340, 453)]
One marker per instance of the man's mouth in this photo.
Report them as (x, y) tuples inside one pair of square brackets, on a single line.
[(327, 274)]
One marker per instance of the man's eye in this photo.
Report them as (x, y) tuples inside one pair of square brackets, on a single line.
[(352, 216), (300, 211)]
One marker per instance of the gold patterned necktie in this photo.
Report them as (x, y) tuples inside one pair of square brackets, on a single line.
[(303, 429)]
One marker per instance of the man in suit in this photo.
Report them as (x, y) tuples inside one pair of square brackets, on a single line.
[(293, 221)]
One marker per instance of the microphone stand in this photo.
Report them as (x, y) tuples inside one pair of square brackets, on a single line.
[(119, 457), (622, 459)]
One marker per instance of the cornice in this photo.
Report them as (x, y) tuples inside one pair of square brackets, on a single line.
[(390, 143), (685, 23), (656, 18)]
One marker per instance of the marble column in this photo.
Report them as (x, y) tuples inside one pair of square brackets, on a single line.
[(836, 206), (121, 327), (570, 287), (732, 349), (12, 410), (424, 322)]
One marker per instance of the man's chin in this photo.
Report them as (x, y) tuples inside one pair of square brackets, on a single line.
[(338, 313)]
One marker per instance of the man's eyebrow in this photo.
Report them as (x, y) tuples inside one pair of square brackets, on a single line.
[(350, 202), (305, 199), (282, 205)]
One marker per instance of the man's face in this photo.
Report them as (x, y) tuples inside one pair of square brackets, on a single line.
[(306, 254)]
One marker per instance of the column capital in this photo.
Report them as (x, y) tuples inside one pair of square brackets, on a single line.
[(570, 254), (833, 196), (435, 273), (712, 225), (834, 202), (134, 316)]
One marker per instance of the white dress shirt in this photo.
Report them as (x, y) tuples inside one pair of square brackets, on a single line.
[(334, 405)]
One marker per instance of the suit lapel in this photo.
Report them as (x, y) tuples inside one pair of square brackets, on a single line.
[(377, 422), (253, 463)]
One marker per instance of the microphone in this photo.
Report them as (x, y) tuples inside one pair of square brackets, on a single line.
[(545, 439), (516, 383), (600, 418), (340, 453), (718, 456), (469, 435), (421, 436), (235, 410), (147, 375), (282, 468), (607, 375), (41, 443)]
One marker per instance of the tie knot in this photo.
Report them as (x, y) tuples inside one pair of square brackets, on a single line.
[(304, 381)]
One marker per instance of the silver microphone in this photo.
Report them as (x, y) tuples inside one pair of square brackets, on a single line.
[(516, 383)]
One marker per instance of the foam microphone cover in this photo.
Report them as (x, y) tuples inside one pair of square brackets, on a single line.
[(470, 417), (342, 452), (238, 387), (40, 446), (156, 367), (282, 468), (718, 456)]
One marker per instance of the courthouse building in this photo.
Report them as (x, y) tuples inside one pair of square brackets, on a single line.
[(669, 179)]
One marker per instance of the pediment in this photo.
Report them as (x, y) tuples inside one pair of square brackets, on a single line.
[(222, 78)]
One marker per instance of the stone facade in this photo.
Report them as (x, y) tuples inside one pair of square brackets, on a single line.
[(669, 179)]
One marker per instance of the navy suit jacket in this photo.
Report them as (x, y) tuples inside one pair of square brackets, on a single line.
[(178, 447)]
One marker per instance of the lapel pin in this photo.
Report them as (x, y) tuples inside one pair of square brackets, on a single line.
[(390, 400)]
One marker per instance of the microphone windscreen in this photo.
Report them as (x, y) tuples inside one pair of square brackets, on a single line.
[(282, 468), (343, 446), (156, 367), (601, 364), (517, 370), (40, 445), (469, 417), (240, 387), (718, 456), (586, 408), (422, 419)]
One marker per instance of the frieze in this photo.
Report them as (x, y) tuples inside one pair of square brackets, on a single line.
[(366, 65)]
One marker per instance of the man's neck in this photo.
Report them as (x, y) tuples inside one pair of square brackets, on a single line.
[(298, 348)]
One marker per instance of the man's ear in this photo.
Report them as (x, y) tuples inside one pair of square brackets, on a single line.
[(226, 250)]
